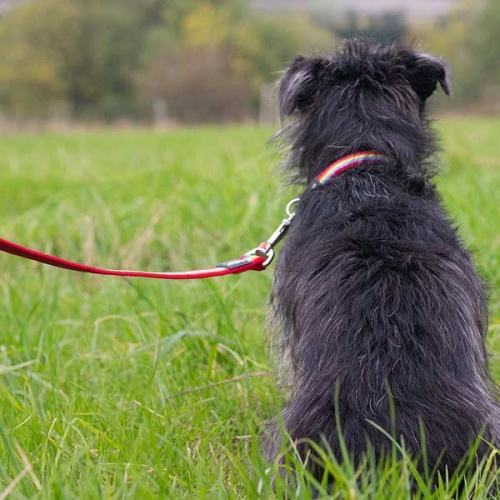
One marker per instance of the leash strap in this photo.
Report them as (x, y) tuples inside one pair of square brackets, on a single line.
[(251, 261), (255, 260)]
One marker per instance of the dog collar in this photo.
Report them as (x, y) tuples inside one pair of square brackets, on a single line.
[(345, 163)]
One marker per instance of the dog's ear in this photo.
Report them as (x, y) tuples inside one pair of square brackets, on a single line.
[(425, 71), (299, 86)]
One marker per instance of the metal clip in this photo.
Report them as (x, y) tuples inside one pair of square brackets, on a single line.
[(266, 249), (282, 229)]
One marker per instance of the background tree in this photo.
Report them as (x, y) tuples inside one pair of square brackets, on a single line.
[(38, 40), (79, 52), (385, 27), (450, 37), (244, 52), (189, 69), (485, 44), (265, 45)]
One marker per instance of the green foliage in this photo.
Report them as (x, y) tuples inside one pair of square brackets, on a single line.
[(485, 41), (114, 388), (175, 14), (75, 52), (265, 45), (100, 59), (468, 38), (213, 66), (37, 42), (385, 27)]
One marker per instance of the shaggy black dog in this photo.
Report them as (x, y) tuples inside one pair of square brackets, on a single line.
[(381, 314)]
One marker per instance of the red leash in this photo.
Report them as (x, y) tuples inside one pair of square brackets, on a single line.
[(248, 262), (255, 260)]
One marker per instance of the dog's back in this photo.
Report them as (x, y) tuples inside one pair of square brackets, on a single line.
[(382, 316)]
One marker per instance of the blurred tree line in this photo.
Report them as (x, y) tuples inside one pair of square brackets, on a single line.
[(105, 59), (469, 39), (198, 60)]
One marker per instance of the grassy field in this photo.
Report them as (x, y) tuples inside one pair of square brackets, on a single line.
[(113, 388)]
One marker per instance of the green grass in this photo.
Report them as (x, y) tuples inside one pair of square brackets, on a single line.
[(113, 388)]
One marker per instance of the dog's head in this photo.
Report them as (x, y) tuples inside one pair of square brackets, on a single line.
[(366, 95), (363, 67)]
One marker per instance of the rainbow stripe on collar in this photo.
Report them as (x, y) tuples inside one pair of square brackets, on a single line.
[(345, 163)]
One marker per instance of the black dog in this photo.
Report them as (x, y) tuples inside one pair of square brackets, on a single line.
[(382, 316)]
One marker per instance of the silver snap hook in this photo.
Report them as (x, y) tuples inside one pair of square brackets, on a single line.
[(291, 203)]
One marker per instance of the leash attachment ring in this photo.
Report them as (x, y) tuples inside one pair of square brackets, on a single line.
[(289, 206)]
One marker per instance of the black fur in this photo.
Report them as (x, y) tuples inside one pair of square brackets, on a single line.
[(375, 295)]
